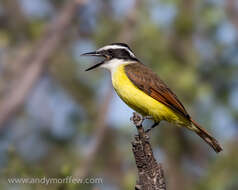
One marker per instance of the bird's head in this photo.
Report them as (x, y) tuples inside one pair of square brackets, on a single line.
[(116, 53)]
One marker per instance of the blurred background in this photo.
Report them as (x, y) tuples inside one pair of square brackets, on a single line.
[(57, 120)]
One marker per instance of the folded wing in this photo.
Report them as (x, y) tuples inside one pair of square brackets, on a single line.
[(147, 81)]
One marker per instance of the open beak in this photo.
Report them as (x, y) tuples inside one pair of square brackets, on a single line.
[(94, 53)]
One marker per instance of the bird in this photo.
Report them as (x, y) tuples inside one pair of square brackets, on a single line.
[(143, 90)]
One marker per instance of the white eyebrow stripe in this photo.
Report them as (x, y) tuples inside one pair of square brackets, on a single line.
[(116, 47)]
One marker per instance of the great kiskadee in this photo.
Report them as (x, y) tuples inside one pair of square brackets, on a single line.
[(141, 89)]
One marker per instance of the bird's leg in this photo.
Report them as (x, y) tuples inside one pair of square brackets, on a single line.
[(153, 126), (138, 120)]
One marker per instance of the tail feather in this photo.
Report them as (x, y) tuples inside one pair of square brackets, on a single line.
[(207, 137)]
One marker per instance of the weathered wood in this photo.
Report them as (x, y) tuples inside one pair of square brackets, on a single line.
[(151, 175)]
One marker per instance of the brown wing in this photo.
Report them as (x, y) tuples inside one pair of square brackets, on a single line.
[(146, 80)]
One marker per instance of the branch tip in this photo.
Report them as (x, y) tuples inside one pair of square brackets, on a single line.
[(150, 172)]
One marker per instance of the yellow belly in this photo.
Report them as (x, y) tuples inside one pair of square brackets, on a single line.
[(141, 102)]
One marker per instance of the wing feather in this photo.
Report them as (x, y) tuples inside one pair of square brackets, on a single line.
[(147, 81)]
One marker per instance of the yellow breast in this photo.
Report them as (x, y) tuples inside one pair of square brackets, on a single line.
[(141, 102)]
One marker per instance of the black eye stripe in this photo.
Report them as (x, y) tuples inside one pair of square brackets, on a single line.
[(120, 53), (123, 52), (110, 51)]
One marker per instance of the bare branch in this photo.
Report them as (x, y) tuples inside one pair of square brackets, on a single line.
[(151, 175)]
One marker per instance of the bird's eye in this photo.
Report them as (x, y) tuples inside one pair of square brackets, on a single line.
[(110, 51)]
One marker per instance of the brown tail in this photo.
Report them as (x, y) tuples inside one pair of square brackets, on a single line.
[(207, 137)]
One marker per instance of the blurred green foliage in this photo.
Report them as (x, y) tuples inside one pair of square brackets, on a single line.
[(192, 45)]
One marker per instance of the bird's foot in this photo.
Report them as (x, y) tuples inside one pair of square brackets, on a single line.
[(153, 126)]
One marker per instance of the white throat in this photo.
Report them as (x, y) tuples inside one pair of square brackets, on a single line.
[(113, 64)]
